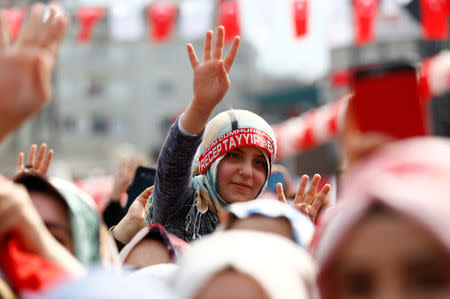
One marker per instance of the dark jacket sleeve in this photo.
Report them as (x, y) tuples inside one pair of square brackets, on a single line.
[(174, 191), (113, 213)]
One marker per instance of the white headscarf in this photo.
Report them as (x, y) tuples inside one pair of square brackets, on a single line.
[(282, 268)]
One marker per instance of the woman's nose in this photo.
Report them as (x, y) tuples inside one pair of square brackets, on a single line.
[(245, 168)]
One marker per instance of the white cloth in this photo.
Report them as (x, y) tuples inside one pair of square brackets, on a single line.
[(196, 17), (126, 21), (282, 268), (270, 27), (161, 272)]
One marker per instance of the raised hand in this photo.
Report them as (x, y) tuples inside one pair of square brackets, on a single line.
[(308, 202), (211, 81), (26, 67), (124, 176), (37, 165), (134, 220)]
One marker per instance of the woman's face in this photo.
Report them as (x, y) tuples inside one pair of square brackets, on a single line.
[(241, 174), (389, 257), (56, 217), (148, 252), (232, 284)]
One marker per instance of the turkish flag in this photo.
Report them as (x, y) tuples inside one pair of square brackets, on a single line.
[(228, 17), (88, 17), (365, 14), (14, 18), (434, 19), (300, 11), (162, 16)]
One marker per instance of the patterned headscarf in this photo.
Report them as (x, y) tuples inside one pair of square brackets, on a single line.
[(174, 245), (302, 227), (84, 220), (226, 131)]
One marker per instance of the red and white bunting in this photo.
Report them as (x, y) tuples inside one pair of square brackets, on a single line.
[(365, 15), (228, 16), (162, 17), (300, 9), (14, 18), (434, 14), (88, 17), (310, 129), (196, 17)]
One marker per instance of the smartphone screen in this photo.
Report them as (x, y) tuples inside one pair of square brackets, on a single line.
[(143, 178), (386, 100)]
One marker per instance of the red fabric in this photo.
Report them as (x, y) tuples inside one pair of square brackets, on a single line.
[(228, 17), (14, 19), (341, 78), (365, 14), (26, 271), (88, 17), (434, 19), (424, 85), (162, 16), (300, 10)]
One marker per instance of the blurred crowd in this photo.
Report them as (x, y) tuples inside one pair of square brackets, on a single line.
[(216, 216)]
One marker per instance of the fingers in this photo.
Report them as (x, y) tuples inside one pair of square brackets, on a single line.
[(47, 163), (207, 46), (309, 197), (145, 195), (4, 33), (280, 193), (31, 156), (229, 59), (319, 201), (192, 56), (301, 190), (40, 156), (20, 159), (53, 30), (220, 40), (32, 27)]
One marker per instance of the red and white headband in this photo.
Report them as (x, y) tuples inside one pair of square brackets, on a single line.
[(234, 139)]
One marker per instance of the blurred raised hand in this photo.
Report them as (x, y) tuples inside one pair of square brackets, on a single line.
[(26, 67), (38, 165)]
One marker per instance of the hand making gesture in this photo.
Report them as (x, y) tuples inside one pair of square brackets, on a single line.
[(308, 202), (26, 66), (38, 165), (211, 80)]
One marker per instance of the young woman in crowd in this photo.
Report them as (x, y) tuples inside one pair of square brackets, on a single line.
[(202, 170)]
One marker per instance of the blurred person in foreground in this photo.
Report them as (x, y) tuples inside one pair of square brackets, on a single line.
[(245, 264), (387, 236)]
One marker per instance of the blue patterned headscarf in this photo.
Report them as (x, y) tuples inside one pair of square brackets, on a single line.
[(220, 125)]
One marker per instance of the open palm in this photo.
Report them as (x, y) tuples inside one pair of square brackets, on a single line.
[(211, 80)]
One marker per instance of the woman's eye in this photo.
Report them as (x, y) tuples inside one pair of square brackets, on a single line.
[(261, 163), (232, 155)]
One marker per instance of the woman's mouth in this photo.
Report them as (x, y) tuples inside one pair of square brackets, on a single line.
[(242, 185)]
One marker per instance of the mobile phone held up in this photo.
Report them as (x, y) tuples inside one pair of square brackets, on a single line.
[(386, 100), (143, 178)]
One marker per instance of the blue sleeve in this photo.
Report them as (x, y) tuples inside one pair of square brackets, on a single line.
[(174, 191)]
